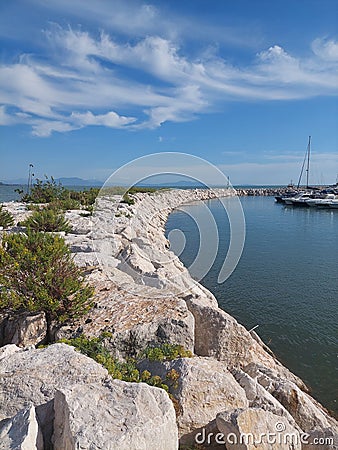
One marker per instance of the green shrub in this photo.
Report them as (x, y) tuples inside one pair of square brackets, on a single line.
[(37, 273), (44, 191), (64, 204), (127, 371), (47, 220), (95, 349), (167, 352), (6, 218), (127, 199), (88, 197)]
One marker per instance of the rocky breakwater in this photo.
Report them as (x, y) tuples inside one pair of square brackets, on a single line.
[(232, 391)]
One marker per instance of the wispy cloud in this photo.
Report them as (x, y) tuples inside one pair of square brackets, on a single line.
[(278, 167), (86, 79)]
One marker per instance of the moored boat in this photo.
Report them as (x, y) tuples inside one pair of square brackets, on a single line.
[(299, 199), (333, 204), (322, 201)]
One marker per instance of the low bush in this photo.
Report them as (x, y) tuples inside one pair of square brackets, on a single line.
[(167, 352), (127, 371), (59, 197), (47, 220), (127, 199), (44, 191), (64, 204), (6, 218), (37, 273)]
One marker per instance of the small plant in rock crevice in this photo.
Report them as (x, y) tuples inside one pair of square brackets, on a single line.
[(167, 352), (127, 370)]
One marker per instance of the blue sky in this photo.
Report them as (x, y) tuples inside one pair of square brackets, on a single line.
[(86, 86)]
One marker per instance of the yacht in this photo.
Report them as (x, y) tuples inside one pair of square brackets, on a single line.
[(299, 199), (333, 203), (322, 201)]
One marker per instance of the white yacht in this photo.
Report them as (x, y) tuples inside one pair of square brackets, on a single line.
[(299, 199), (333, 203), (323, 201)]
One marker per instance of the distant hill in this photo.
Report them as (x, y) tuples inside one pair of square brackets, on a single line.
[(75, 181), (174, 184), (71, 181)]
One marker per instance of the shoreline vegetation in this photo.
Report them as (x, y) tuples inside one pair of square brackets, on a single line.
[(144, 319)]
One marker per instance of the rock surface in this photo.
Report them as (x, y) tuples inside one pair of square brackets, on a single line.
[(23, 329), (116, 415), (34, 375), (91, 410), (254, 428), (203, 387), (21, 432)]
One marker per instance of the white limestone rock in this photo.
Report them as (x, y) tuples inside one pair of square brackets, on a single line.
[(21, 432), (306, 411), (203, 387), (258, 397), (116, 415), (33, 376), (264, 430), (8, 350)]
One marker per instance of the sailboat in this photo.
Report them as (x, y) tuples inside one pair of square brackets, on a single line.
[(302, 197)]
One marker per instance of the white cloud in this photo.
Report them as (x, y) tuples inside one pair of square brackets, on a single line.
[(326, 49), (98, 80), (111, 119), (44, 128)]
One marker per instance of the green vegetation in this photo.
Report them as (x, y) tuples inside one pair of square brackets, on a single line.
[(94, 347), (167, 352), (44, 191), (127, 199), (6, 218), (126, 371), (120, 190), (134, 190), (47, 220), (37, 273), (58, 197)]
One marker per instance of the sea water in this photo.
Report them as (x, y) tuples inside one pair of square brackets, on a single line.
[(285, 282)]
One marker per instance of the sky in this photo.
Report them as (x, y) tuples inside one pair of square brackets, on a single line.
[(87, 86)]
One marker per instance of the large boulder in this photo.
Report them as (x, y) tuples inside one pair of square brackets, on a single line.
[(90, 408), (258, 397), (21, 432), (306, 411), (254, 428), (203, 387), (116, 415), (33, 376)]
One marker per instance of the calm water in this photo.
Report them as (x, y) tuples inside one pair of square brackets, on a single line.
[(286, 282), (7, 193)]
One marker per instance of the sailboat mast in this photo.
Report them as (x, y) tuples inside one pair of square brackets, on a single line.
[(308, 162)]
